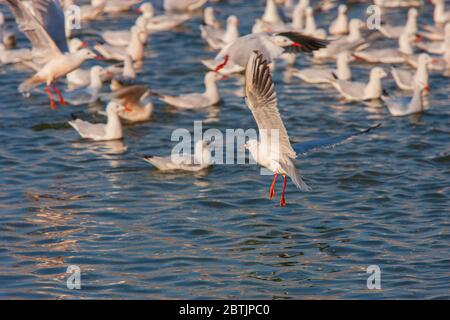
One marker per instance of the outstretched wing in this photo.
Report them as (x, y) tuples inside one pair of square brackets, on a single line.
[(261, 99), (130, 95), (305, 148), (43, 44), (303, 42)]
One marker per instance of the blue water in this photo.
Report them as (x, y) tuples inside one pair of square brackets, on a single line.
[(381, 199)]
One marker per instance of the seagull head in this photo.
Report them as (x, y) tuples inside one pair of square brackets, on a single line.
[(283, 41), (115, 108)]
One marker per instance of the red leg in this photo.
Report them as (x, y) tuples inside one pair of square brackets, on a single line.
[(223, 64), (58, 93), (52, 102), (272, 186), (283, 199)]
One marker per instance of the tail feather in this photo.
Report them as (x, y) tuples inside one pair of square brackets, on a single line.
[(30, 84)]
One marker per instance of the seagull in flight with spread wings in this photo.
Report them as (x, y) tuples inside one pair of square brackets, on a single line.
[(274, 150)]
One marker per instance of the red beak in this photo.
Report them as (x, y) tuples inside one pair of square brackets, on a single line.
[(100, 58)]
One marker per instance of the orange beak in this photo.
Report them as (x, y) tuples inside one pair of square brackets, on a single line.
[(127, 108)]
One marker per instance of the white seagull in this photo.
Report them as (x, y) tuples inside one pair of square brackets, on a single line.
[(112, 130), (340, 25), (407, 80), (404, 106), (200, 160), (360, 91), (218, 38), (183, 5), (196, 100), (132, 98), (273, 151)]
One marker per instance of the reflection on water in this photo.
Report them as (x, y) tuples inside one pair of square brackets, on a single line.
[(139, 233)]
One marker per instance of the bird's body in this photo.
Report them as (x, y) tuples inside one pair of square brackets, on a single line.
[(112, 130)]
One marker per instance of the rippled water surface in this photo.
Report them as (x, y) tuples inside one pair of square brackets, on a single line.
[(135, 233)]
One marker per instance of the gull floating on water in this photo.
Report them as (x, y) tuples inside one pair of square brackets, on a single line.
[(112, 130), (404, 106), (183, 5), (219, 38), (122, 38), (360, 91), (90, 94), (340, 25), (196, 100), (135, 48), (200, 160), (396, 31), (407, 80), (164, 22), (317, 76)]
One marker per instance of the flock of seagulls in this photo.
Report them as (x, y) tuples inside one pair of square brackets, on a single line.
[(286, 29)]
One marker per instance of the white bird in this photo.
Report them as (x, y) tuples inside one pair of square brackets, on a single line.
[(118, 6), (273, 150), (317, 76), (112, 130), (209, 18), (89, 94), (396, 31), (92, 11), (360, 91), (298, 17), (310, 26), (219, 38), (132, 98), (270, 21), (122, 38), (183, 5), (57, 64), (440, 15), (200, 160), (196, 100), (164, 22), (404, 106), (389, 55), (340, 25), (407, 80), (271, 46), (135, 48), (397, 3), (437, 47), (353, 42)]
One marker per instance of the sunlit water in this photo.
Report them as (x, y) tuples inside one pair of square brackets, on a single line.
[(136, 233)]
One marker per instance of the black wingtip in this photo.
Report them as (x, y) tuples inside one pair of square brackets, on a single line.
[(334, 76), (372, 128), (74, 116)]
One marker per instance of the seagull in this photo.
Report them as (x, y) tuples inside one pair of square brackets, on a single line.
[(261, 99), (310, 25), (270, 21), (164, 22), (360, 91), (407, 80), (122, 38), (404, 106), (200, 160), (112, 130), (389, 55), (317, 76), (196, 100), (437, 47), (58, 63), (271, 46), (440, 15), (8, 56), (183, 5), (396, 31), (209, 18), (90, 94), (340, 25), (131, 97), (219, 38), (135, 48)]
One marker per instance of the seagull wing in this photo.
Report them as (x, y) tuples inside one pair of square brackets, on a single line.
[(50, 14), (43, 44), (305, 148), (261, 99), (130, 95)]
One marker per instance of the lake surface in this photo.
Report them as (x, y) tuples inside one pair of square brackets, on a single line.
[(382, 199)]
